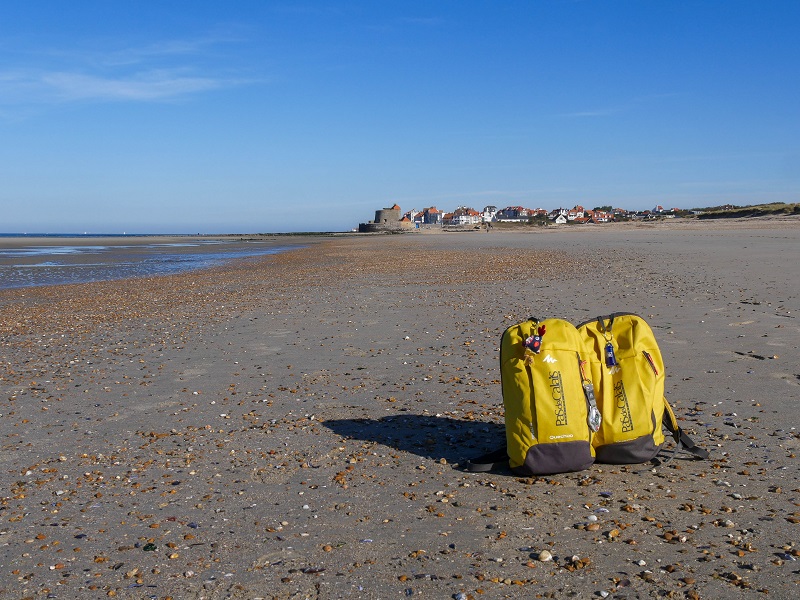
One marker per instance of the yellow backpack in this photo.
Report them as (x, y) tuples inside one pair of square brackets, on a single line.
[(628, 375), (548, 408)]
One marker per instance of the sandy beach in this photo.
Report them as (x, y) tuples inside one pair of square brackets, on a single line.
[(293, 426)]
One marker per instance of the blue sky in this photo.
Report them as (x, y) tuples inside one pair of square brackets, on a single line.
[(255, 116)]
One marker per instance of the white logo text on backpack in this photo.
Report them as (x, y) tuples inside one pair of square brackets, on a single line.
[(549, 359)]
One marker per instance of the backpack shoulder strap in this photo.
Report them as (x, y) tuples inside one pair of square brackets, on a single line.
[(682, 441)]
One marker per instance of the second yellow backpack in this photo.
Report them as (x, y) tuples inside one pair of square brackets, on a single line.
[(628, 375)]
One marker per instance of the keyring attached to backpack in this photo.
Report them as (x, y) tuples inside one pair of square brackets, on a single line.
[(611, 359)]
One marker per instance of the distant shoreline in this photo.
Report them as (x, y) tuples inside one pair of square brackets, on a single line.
[(22, 240)]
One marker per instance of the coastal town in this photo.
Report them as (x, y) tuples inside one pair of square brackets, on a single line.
[(393, 218)]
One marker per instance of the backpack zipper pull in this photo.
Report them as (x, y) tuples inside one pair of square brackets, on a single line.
[(650, 360)]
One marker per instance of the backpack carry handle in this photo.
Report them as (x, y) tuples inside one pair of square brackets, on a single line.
[(601, 324)]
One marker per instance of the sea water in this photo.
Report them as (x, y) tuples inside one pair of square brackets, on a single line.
[(24, 265)]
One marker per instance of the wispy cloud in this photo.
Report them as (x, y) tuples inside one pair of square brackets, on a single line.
[(585, 114), (63, 86), (163, 70), (623, 107), (167, 49)]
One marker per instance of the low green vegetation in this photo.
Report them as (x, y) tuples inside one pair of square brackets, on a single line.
[(730, 211)]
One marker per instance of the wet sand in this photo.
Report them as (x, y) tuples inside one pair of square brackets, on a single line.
[(292, 426), (27, 261)]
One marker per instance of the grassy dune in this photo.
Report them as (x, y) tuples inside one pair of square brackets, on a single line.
[(757, 210)]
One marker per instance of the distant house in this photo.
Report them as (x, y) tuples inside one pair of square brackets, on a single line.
[(411, 215), (489, 214), (660, 211), (513, 214), (599, 216), (428, 216), (560, 220), (619, 213), (464, 215), (575, 213), (432, 216)]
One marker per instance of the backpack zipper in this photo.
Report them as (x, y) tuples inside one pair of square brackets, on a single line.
[(650, 360)]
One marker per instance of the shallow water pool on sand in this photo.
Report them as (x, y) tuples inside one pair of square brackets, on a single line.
[(37, 265)]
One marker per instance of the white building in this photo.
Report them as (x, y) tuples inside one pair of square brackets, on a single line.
[(489, 214)]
